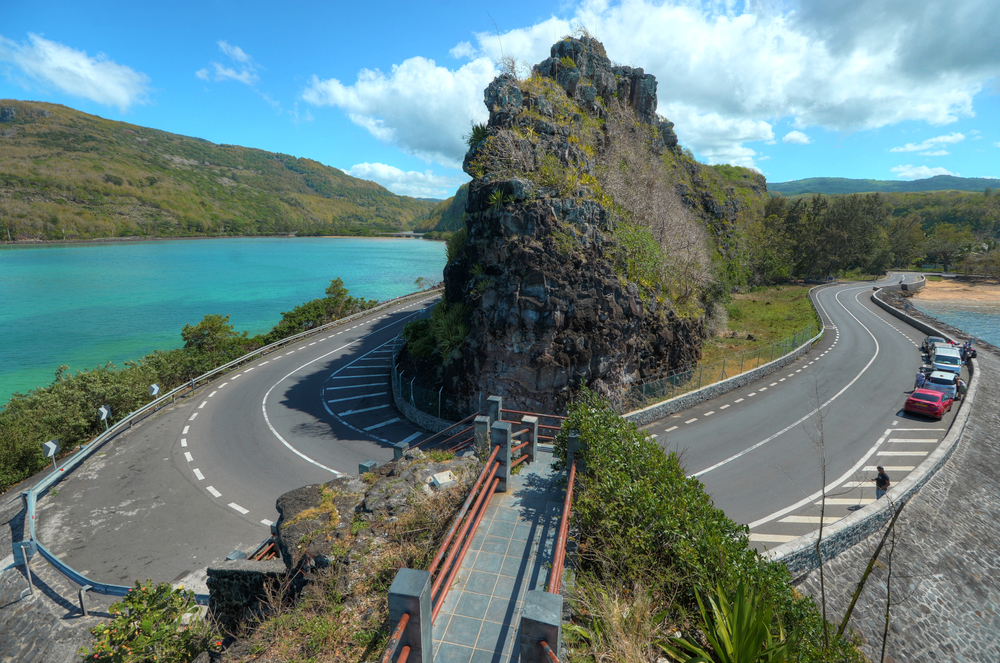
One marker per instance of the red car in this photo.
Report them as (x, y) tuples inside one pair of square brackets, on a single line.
[(926, 401)]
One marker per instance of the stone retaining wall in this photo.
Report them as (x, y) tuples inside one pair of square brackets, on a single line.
[(800, 555), (237, 588)]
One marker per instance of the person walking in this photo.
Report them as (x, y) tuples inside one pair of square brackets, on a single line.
[(882, 482), (961, 388), (921, 378)]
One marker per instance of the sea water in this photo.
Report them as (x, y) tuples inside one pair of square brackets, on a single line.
[(83, 305), (978, 319)]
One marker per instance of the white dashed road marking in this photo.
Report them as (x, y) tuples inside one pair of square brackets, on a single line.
[(213, 393), (738, 400), (670, 429), (365, 409), (185, 431), (239, 508), (187, 456), (203, 404), (198, 474), (214, 492), (691, 420), (723, 407), (193, 416), (184, 442), (384, 423)]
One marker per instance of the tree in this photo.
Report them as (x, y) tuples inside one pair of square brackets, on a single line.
[(212, 334), (946, 244)]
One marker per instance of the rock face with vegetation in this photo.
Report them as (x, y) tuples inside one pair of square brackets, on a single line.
[(593, 245)]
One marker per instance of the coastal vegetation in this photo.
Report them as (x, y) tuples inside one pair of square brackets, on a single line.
[(67, 409), (652, 548), (69, 175)]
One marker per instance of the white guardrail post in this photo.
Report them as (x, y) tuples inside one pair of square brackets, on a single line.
[(30, 497)]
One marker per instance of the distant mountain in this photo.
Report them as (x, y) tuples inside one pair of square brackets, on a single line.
[(834, 185), (67, 174), (447, 215)]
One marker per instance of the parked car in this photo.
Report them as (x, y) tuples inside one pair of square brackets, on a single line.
[(928, 402), (942, 381), (930, 341), (947, 359)]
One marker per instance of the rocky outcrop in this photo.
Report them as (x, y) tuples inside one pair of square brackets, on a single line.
[(542, 272)]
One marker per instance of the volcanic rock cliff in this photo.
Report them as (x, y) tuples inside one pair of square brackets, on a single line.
[(575, 267)]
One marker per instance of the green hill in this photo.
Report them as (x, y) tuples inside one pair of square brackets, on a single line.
[(69, 175), (835, 185), (447, 214)]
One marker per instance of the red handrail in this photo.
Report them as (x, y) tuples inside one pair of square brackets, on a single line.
[(520, 446), (519, 461), (457, 423), (548, 651), (458, 562), (555, 579), (395, 638), (405, 654), (461, 432), (461, 514), (462, 444), (532, 414)]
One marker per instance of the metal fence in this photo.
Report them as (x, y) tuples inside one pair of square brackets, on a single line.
[(25, 549), (702, 374)]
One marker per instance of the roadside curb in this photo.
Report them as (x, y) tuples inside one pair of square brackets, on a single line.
[(800, 556)]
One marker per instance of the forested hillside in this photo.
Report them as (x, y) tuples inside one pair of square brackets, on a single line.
[(69, 175), (838, 185)]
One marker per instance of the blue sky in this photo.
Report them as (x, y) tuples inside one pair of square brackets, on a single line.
[(880, 89)]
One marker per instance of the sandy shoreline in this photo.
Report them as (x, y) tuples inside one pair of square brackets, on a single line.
[(959, 291)]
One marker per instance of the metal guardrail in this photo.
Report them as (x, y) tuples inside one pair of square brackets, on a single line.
[(30, 497)]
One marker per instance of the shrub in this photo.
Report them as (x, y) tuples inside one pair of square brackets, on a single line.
[(149, 625), (640, 518)]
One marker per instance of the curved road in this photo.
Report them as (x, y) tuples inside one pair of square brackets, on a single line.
[(320, 407)]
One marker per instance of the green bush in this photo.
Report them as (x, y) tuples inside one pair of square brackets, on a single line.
[(148, 626), (640, 518), (456, 243)]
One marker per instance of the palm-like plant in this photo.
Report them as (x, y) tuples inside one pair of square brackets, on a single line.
[(738, 632)]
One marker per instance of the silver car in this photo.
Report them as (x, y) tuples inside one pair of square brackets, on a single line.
[(943, 382)]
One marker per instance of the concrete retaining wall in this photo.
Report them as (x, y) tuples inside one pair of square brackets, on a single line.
[(800, 555)]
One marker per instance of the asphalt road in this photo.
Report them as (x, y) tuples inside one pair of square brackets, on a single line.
[(201, 479), (766, 452), (198, 481)]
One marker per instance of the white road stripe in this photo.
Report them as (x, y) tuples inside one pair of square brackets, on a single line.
[(203, 404), (357, 386), (364, 409), (738, 400), (901, 453), (267, 522), (384, 423), (889, 468), (752, 394), (723, 407), (313, 343), (193, 416), (214, 492), (708, 414), (913, 440), (772, 538), (354, 398), (653, 436), (185, 431), (412, 437), (670, 429), (922, 430), (184, 442), (223, 385), (265, 362), (782, 379), (772, 384), (239, 508), (691, 420), (187, 456), (249, 369), (846, 501), (213, 393), (762, 389), (858, 484), (198, 474), (812, 520)]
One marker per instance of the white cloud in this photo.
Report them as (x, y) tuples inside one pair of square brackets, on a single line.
[(931, 143), (407, 183), (796, 138), (845, 65), (462, 50), (423, 108), (245, 71), (74, 72), (935, 153), (909, 172)]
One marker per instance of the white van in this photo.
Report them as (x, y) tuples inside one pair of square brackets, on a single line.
[(947, 359), (942, 381)]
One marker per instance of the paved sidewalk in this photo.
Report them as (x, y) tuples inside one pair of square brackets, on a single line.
[(510, 554)]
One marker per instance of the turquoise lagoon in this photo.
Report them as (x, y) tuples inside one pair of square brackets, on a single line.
[(86, 304)]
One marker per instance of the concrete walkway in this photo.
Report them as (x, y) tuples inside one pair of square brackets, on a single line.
[(510, 554)]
